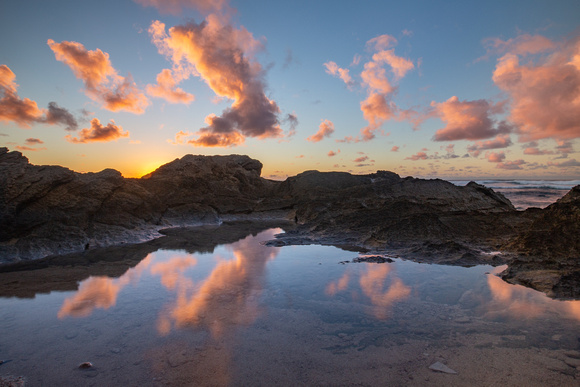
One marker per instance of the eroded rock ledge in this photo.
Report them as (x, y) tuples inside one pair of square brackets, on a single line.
[(48, 210)]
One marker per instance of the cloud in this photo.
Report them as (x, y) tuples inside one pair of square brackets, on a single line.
[(521, 45), (565, 164), (34, 141), (418, 156), (333, 153), (532, 149), (381, 42), (360, 159), (292, 120), (468, 120), (98, 133), (501, 141), (23, 111), (167, 89), (59, 115), (223, 57), (325, 129), (378, 107), (333, 69), (512, 165), (564, 147), (395, 148), (544, 93), (493, 157), (26, 148), (176, 7), (102, 83)]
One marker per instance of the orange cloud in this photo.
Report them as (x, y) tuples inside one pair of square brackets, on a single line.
[(395, 148), (228, 297), (468, 120), (25, 112), (167, 89), (176, 7), (333, 153), (171, 270), (373, 285), (360, 159), (102, 83), (376, 110), (222, 56), (333, 69), (98, 133), (325, 129), (544, 94)]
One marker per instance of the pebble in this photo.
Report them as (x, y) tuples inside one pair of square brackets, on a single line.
[(440, 367), (85, 365)]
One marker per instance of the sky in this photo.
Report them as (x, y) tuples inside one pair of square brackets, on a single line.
[(432, 89)]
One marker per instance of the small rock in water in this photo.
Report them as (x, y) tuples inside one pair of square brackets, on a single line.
[(373, 259), (86, 365), (440, 367)]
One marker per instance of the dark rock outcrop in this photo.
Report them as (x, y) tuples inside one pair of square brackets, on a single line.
[(549, 250), (46, 210)]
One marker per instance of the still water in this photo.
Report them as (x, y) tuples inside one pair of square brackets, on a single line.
[(248, 314)]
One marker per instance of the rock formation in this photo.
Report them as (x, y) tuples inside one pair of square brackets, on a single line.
[(47, 210)]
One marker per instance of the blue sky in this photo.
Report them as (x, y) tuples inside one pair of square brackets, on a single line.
[(495, 127)]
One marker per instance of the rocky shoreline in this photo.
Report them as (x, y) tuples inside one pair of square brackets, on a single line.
[(48, 211)]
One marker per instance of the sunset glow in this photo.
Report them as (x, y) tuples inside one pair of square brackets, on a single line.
[(424, 89)]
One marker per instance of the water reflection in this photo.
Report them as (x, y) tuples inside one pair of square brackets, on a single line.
[(379, 283), (519, 302), (100, 292), (229, 296)]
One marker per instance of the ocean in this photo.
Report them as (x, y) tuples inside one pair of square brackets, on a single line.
[(527, 193)]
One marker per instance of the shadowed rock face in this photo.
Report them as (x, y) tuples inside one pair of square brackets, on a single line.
[(48, 210), (549, 250)]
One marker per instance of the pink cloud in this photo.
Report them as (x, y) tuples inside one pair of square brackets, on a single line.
[(176, 7), (333, 153), (222, 56), (512, 165), (468, 120), (395, 148), (376, 110), (418, 156), (98, 133), (360, 159), (325, 129), (501, 141), (102, 83), (381, 42), (534, 150), (521, 45), (544, 93), (167, 89), (493, 157), (333, 69)]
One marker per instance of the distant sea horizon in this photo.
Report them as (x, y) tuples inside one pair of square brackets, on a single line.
[(527, 193)]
